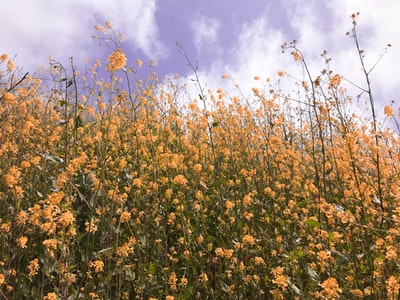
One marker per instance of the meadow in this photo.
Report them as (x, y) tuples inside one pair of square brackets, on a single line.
[(121, 188)]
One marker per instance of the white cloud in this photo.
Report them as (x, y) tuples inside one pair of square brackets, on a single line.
[(136, 19), (205, 34), (317, 28), (39, 28)]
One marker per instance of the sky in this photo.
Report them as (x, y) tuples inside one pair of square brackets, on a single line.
[(239, 38)]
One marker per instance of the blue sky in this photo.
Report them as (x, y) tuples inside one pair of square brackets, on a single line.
[(236, 37)]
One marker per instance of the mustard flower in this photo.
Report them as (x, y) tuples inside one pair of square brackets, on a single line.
[(66, 219), (125, 216), (116, 60), (97, 265), (50, 296), (22, 241), (331, 288), (33, 267), (296, 55), (180, 179), (248, 240), (388, 111)]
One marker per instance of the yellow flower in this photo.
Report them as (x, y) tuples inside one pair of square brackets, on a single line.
[(97, 265), (22, 241), (281, 73), (116, 60), (280, 280), (259, 260), (22, 217), (335, 81), (139, 63), (66, 219), (33, 267), (331, 288), (10, 65), (8, 97), (197, 168), (296, 55), (248, 240), (388, 111), (180, 179), (12, 177), (50, 296), (255, 90), (3, 57), (183, 282), (125, 216), (203, 277), (391, 253), (2, 279), (392, 285), (108, 24), (229, 204)]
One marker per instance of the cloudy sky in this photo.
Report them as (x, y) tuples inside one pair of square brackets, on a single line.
[(234, 37)]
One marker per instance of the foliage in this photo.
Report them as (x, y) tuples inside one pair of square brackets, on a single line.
[(117, 189)]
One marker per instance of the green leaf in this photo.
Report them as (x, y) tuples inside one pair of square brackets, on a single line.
[(312, 223), (152, 269)]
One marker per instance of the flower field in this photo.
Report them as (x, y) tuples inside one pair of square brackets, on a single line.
[(122, 189)]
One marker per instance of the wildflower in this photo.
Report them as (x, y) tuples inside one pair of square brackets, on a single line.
[(255, 90), (248, 240), (172, 281), (296, 55), (50, 296), (108, 24), (152, 63), (22, 217), (224, 76), (2, 279), (203, 277), (229, 204), (66, 219), (388, 111), (8, 97), (139, 63), (357, 292), (391, 253), (331, 288), (169, 297), (392, 285), (180, 179), (55, 197), (281, 73), (117, 60), (335, 81), (259, 260), (304, 84), (99, 28), (199, 195), (51, 245), (10, 65), (97, 265), (3, 57), (125, 216), (183, 282), (33, 267), (22, 241)]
